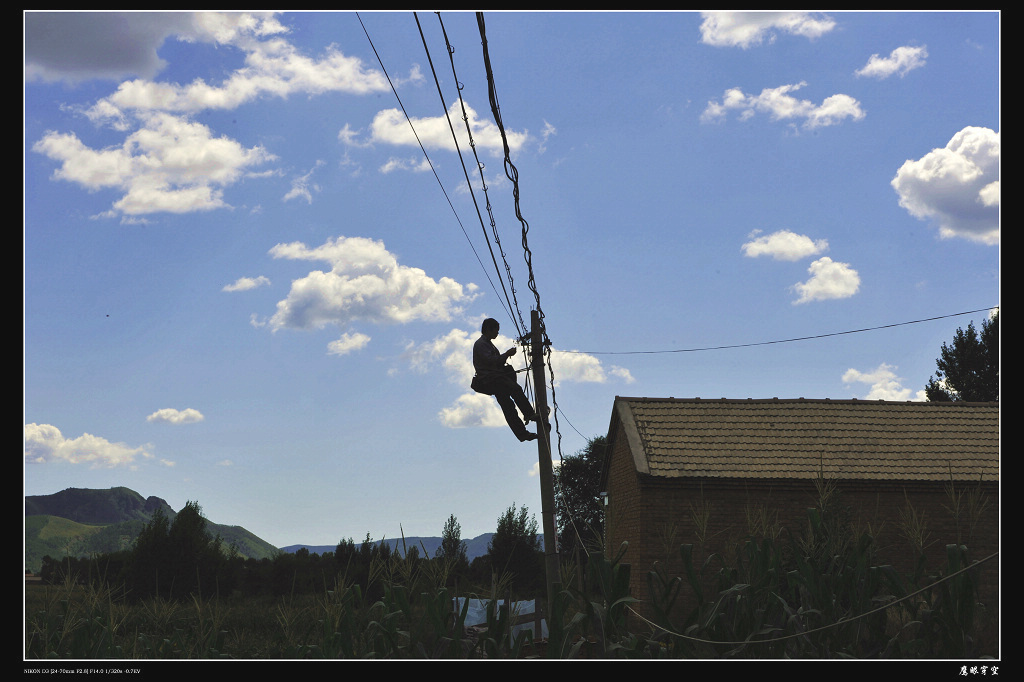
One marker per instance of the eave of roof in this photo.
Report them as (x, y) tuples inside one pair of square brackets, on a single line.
[(802, 439)]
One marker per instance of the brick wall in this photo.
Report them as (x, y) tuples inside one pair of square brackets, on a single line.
[(623, 513), (656, 517)]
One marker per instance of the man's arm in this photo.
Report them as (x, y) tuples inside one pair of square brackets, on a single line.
[(486, 356)]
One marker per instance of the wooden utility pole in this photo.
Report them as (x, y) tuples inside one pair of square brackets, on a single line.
[(547, 488)]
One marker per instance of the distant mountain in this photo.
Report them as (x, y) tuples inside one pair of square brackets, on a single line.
[(426, 545), (474, 547), (85, 522)]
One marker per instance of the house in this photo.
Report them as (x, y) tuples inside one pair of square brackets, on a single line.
[(713, 472)]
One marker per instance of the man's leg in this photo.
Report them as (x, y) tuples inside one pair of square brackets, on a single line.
[(508, 407), (511, 387)]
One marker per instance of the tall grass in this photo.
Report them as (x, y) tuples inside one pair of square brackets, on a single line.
[(818, 596)]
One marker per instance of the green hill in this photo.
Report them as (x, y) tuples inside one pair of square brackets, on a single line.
[(86, 522)]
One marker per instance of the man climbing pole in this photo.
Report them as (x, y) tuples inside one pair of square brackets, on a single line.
[(494, 377)]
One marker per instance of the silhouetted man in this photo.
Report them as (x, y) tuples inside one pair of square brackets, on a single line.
[(494, 377)]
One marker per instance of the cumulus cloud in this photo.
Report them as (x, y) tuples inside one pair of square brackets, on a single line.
[(780, 105), (246, 283), (348, 343), (783, 245), (581, 367), (168, 162), (273, 68), (956, 186), (899, 62), (416, 164), (364, 283), (169, 415), (45, 443), (829, 280), (390, 126), (884, 384), (453, 354), (74, 46), (471, 410), (745, 29), (169, 165)]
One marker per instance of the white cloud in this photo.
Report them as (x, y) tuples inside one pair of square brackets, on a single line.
[(956, 186), (744, 29), (273, 68), (169, 415), (621, 373), (454, 353), (779, 105), (246, 283), (548, 132), (45, 443), (170, 164), (884, 384), (390, 126), (900, 61), (303, 187), (829, 279), (416, 164), (348, 343), (783, 245), (364, 283), (582, 368), (470, 410)]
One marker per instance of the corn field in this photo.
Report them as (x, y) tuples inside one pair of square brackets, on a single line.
[(770, 601)]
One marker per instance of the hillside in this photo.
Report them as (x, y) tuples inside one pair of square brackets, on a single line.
[(97, 507), (85, 522)]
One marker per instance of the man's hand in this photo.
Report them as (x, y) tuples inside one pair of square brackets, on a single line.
[(509, 353)]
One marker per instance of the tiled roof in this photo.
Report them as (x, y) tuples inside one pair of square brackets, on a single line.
[(847, 439)]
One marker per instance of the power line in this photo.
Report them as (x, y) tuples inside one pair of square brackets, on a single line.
[(512, 305), (768, 343), (538, 319), (510, 170), (427, 157)]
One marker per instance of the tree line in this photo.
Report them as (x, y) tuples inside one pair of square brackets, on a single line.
[(180, 559)]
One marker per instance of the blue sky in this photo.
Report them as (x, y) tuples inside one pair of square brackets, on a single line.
[(246, 284)]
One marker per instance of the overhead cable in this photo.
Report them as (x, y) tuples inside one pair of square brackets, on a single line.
[(427, 157), (768, 343), (521, 330), (513, 175)]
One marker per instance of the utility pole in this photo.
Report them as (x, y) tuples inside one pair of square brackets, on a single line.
[(547, 488)]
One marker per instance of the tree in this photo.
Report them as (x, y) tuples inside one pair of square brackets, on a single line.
[(515, 549), (969, 369), (580, 509), (148, 570), (177, 558), (452, 548)]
